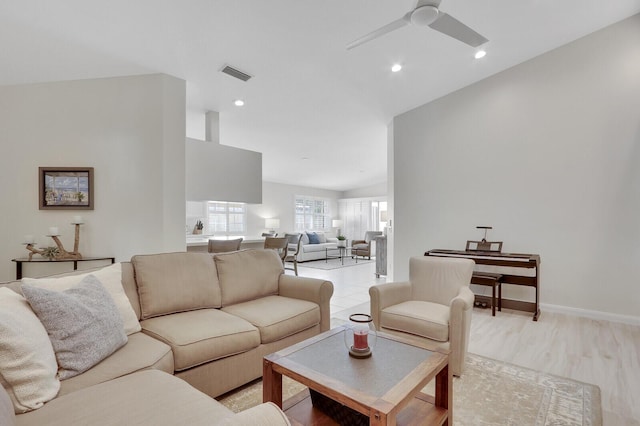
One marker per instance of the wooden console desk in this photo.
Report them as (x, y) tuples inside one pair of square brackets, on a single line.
[(515, 268), (20, 261)]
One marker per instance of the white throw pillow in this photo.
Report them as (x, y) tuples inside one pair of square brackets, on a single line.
[(27, 361), (111, 279)]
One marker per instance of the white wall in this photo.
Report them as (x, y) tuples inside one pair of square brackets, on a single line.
[(130, 129), (378, 190), (222, 173), (548, 153), (278, 202)]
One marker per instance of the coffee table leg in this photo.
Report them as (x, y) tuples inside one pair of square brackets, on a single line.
[(271, 384), (444, 393)]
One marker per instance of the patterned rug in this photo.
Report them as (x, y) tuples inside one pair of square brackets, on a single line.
[(489, 392), (334, 263)]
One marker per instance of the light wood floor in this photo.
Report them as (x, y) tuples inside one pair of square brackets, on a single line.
[(594, 351), (603, 353)]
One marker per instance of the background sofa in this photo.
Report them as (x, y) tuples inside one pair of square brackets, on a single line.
[(208, 320), (315, 251)]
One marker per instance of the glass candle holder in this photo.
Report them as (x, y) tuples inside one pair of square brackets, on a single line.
[(360, 336)]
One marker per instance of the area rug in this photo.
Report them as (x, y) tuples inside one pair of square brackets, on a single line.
[(489, 392), (334, 263)]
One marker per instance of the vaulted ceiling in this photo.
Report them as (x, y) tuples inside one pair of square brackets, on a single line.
[(317, 111)]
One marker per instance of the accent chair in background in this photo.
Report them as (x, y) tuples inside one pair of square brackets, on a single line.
[(363, 247)]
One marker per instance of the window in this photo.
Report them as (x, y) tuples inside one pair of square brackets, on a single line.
[(226, 218), (312, 213)]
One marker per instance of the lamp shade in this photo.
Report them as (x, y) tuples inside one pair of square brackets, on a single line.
[(336, 223), (272, 223)]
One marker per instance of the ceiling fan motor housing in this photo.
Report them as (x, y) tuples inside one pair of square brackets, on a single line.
[(424, 15)]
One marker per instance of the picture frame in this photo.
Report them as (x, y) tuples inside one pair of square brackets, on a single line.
[(65, 188)]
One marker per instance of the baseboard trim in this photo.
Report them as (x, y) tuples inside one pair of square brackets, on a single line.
[(586, 313)]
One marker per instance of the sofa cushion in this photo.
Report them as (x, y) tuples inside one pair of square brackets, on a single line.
[(27, 361), (175, 282), (83, 324), (426, 319), (111, 279), (141, 352), (201, 336), (248, 274), (144, 398), (277, 317), (313, 238), (265, 414), (309, 248), (7, 416)]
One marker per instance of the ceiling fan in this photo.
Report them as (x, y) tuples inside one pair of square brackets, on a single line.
[(426, 13)]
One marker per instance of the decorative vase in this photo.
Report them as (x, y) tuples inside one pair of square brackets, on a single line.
[(360, 336)]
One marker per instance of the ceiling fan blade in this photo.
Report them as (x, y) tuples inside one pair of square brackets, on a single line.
[(399, 23), (450, 26)]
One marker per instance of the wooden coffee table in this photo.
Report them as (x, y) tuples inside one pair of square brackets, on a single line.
[(385, 387)]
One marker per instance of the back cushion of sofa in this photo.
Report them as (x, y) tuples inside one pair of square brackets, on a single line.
[(175, 282), (248, 274)]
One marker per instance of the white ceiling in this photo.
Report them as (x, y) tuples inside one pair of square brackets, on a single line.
[(309, 97)]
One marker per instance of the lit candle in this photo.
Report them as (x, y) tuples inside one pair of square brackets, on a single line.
[(28, 239), (77, 219), (53, 230), (360, 339)]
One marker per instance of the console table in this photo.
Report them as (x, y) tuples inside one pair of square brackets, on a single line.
[(514, 268), (20, 261)]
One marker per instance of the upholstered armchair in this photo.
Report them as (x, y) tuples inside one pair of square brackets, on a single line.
[(363, 247), (435, 304)]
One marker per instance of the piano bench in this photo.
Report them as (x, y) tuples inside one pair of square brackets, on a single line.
[(493, 280)]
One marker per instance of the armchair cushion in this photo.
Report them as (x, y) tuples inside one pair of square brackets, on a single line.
[(426, 319)]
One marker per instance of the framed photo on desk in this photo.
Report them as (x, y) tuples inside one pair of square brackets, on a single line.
[(69, 188)]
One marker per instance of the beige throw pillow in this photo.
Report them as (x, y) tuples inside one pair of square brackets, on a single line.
[(83, 324), (110, 277), (27, 361)]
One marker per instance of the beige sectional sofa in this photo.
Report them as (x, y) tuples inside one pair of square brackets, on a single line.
[(206, 320)]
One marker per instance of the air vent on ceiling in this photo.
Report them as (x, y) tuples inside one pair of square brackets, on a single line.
[(233, 72)]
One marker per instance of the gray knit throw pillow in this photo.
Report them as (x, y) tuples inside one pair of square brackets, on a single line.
[(83, 323)]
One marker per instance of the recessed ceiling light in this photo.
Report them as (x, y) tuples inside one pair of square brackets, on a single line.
[(480, 54), (238, 102), (396, 67)]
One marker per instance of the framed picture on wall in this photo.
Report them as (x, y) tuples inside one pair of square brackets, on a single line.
[(68, 188)]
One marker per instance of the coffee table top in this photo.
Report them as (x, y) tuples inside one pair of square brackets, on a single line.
[(387, 381)]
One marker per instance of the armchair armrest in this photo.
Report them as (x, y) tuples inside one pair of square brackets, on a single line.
[(310, 289), (384, 295), (460, 328)]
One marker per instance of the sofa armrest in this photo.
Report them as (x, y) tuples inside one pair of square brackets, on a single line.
[(384, 295), (310, 289), (266, 414), (332, 240), (7, 415)]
